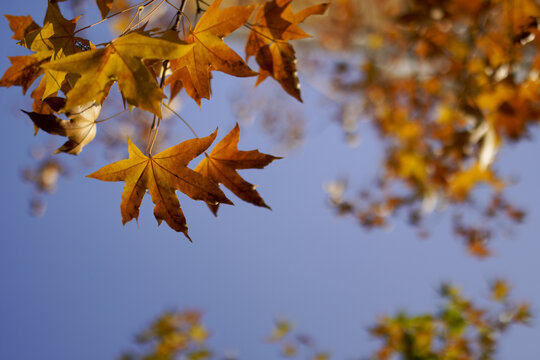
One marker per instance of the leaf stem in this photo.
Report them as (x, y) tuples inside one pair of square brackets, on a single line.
[(183, 14), (140, 21), (181, 118), (164, 66), (252, 28), (115, 14), (110, 117), (200, 10)]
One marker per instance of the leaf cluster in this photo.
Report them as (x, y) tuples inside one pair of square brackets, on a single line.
[(149, 65), (459, 330)]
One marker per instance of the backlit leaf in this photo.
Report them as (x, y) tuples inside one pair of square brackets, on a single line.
[(221, 164), (162, 174), (210, 51), (120, 61), (80, 128), (274, 25)]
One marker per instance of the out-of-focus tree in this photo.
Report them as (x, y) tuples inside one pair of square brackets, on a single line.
[(459, 330), (173, 335), (446, 84)]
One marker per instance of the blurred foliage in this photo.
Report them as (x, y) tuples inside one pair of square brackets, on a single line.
[(293, 344), (446, 84), (460, 330), (174, 335)]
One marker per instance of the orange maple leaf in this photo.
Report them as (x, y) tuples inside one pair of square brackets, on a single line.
[(274, 25), (210, 52), (221, 164), (162, 174), (21, 26), (24, 70)]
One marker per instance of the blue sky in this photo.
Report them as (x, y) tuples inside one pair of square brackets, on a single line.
[(75, 283)]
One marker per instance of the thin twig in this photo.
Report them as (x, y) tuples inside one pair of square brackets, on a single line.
[(140, 21), (137, 14), (110, 117), (181, 118), (252, 28), (164, 66), (183, 14), (200, 10), (115, 14)]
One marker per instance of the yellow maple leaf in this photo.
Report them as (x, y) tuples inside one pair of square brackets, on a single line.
[(162, 174), (57, 33), (120, 61), (56, 38), (210, 51)]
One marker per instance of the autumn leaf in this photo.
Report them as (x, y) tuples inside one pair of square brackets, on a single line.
[(38, 105), (274, 25), (119, 61), (221, 164), (54, 40), (80, 128), (21, 26), (24, 70), (57, 34), (162, 174), (210, 51)]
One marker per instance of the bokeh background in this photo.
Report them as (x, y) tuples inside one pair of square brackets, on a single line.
[(75, 283)]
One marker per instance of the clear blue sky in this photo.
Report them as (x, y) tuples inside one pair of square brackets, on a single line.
[(75, 283)]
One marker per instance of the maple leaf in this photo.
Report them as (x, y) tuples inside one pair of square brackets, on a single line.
[(210, 51), (274, 25), (24, 70), (54, 40), (80, 128), (21, 26), (162, 174), (119, 61), (221, 164), (57, 33)]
